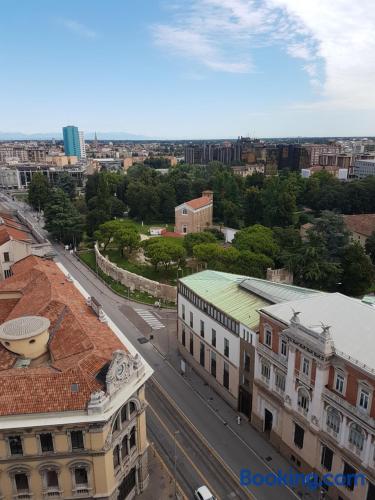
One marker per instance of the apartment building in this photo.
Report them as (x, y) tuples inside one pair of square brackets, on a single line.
[(72, 413), (314, 381), (218, 325), (196, 215)]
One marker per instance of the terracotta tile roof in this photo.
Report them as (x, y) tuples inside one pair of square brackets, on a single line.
[(79, 343), (199, 202), (10, 228), (171, 234), (362, 224)]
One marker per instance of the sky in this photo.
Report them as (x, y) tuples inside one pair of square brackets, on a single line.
[(189, 68)]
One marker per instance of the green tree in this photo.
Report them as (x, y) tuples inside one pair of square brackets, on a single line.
[(193, 239), (39, 191), (164, 251), (67, 184), (253, 209), (370, 247), (253, 264), (62, 218), (331, 228), (358, 272), (258, 239), (207, 254), (128, 240), (106, 232)]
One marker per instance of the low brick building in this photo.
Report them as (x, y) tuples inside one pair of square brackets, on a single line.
[(195, 216)]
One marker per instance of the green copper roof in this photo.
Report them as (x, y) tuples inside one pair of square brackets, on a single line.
[(225, 291)]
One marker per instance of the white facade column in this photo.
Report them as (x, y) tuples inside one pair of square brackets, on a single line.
[(290, 391), (321, 379), (344, 431), (367, 451)]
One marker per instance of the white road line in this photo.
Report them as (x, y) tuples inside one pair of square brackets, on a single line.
[(149, 318)]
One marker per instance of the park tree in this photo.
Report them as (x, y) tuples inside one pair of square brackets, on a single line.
[(128, 239), (39, 191), (358, 272), (106, 232), (370, 247), (193, 239), (207, 254), (331, 228), (164, 252), (62, 219), (253, 264), (67, 184), (258, 239), (253, 209)]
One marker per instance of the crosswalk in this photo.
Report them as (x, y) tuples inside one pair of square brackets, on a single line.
[(150, 318)]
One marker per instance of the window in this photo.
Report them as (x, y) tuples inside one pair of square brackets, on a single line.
[(132, 438), (132, 408), (213, 338), (51, 479), (46, 442), (280, 381), (299, 435), (6, 257), (7, 273), (15, 445), (124, 414), (184, 211), (213, 363), (364, 399), (183, 312), (306, 367), (183, 340), (22, 483), (333, 420), (327, 457), (76, 439), (303, 400), (339, 383), (191, 344), (124, 447), (268, 337), (356, 436), (349, 474), (246, 362), (283, 348), (226, 376), (116, 457), (265, 370), (202, 329), (191, 320), (226, 348), (201, 353), (80, 476)]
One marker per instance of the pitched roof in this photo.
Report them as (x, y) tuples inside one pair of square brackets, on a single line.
[(10, 229), (199, 202), (80, 345), (362, 223)]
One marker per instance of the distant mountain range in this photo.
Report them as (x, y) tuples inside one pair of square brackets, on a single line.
[(104, 136)]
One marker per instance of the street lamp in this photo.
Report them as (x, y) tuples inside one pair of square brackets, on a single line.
[(175, 463)]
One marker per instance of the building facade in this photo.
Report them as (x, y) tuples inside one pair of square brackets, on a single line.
[(196, 215), (72, 141), (313, 388), (72, 418)]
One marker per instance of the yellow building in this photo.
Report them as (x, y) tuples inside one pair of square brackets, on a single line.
[(72, 411)]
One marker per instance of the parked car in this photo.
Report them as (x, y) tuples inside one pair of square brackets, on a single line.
[(203, 493)]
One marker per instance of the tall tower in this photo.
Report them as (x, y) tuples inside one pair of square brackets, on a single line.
[(95, 141), (71, 141), (82, 145)]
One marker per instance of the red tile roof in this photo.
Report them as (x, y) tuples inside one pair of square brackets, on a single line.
[(80, 345), (362, 224), (10, 229), (199, 202)]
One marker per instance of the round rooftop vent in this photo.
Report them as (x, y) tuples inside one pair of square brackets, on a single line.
[(24, 327)]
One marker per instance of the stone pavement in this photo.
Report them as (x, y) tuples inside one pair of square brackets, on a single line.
[(161, 484)]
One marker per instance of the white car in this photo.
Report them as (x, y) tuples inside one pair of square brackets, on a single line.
[(203, 493)]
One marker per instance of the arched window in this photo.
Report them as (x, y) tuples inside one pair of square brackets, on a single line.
[(333, 420), (132, 438), (357, 436), (132, 408), (124, 447), (265, 370), (81, 477), (116, 457), (50, 479), (124, 413), (303, 400)]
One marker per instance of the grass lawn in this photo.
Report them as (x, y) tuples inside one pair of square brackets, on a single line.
[(145, 229), (163, 276), (89, 259)]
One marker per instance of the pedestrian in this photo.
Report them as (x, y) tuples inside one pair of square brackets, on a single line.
[(238, 420)]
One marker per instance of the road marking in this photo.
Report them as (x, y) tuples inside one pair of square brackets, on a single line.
[(234, 476), (149, 318), (205, 481)]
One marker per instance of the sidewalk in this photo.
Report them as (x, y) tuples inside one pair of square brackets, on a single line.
[(160, 484), (254, 440)]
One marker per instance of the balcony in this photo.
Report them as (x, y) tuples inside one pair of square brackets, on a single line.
[(332, 397), (262, 349), (52, 493)]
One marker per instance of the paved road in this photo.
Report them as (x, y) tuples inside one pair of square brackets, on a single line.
[(233, 451)]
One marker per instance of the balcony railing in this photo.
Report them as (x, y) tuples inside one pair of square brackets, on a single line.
[(262, 349), (331, 396), (52, 493)]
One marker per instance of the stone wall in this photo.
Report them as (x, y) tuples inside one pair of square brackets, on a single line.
[(135, 281)]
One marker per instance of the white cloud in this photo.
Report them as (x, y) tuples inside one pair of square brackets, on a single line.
[(78, 28), (333, 38)]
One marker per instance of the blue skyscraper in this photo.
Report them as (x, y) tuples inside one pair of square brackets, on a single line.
[(71, 141)]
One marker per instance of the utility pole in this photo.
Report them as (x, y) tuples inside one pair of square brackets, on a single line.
[(175, 464)]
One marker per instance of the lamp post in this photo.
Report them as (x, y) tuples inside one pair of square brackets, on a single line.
[(175, 463)]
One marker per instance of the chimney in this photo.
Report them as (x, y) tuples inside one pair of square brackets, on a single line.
[(208, 194)]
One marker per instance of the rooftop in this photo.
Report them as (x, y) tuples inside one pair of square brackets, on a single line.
[(199, 202), (362, 223), (241, 296), (24, 327), (351, 322), (79, 345), (12, 229)]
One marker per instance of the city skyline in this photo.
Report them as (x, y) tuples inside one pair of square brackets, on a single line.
[(201, 69)]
